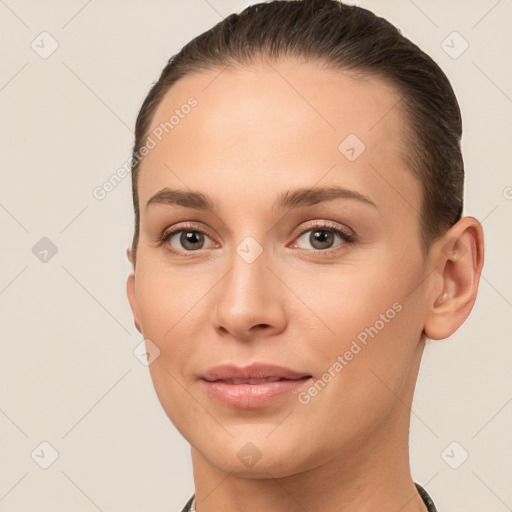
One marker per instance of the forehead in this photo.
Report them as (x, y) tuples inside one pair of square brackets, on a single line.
[(271, 125), (302, 97)]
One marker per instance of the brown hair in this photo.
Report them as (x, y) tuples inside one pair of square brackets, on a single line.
[(345, 37)]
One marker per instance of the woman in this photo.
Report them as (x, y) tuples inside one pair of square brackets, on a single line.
[(298, 184)]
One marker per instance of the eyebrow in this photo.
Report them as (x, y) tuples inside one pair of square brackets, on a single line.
[(286, 200)]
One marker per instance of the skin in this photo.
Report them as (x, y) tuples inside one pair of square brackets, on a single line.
[(257, 132)]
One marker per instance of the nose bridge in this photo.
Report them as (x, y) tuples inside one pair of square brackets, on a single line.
[(249, 295)]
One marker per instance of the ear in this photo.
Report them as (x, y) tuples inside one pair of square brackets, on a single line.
[(130, 291), (458, 258)]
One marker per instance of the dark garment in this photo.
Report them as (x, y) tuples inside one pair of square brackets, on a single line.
[(426, 498), (423, 493), (186, 508)]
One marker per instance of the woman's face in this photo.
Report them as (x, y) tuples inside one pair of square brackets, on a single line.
[(278, 270)]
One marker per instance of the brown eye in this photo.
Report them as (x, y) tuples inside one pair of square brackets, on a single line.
[(186, 240), (322, 238), (191, 240)]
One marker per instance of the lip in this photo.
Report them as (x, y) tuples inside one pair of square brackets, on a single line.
[(254, 386)]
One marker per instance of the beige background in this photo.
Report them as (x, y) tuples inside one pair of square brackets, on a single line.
[(67, 372)]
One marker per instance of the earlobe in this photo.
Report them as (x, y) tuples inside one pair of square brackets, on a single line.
[(459, 259), (132, 299)]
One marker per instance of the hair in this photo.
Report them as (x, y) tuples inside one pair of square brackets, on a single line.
[(346, 38)]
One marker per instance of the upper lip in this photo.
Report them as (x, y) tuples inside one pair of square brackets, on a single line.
[(252, 371)]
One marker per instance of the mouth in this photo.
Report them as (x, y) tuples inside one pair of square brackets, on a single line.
[(254, 373), (252, 391), (256, 381)]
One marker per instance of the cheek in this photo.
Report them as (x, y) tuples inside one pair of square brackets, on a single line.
[(166, 298), (364, 373), (375, 323), (166, 307), (350, 300)]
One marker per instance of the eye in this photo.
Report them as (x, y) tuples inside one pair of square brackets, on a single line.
[(323, 236), (186, 239)]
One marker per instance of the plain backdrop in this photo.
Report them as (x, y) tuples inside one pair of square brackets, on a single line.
[(68, 375)]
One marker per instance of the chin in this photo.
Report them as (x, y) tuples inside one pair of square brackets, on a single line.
[(253, 456)]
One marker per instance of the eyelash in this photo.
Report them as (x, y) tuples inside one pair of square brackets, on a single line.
[(347, 239)]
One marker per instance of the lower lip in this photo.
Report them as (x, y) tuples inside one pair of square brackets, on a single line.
[(252, 396)]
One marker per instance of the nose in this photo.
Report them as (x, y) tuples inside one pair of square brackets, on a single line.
[(249, 301)]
